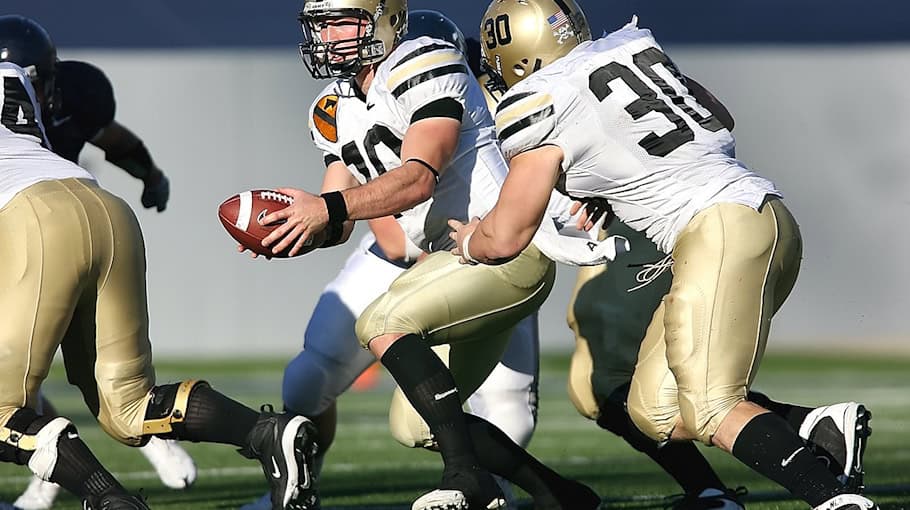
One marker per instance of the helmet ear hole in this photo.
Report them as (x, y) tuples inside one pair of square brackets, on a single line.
[(519, 69)]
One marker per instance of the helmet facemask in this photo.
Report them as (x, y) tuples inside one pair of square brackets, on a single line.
[(339, 57)]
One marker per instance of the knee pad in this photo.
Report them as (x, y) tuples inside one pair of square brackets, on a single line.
[(704, 418), (649, 417), (406, 425), (166, 409), (580, 386), (31, 439)]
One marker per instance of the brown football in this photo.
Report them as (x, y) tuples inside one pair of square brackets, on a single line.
[(242, 216)]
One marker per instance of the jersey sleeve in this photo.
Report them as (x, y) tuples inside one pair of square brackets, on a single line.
[(87, 96), (323, 123), (429, 78), (530, 118)]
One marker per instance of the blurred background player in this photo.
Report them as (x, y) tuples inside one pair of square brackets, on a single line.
[(332, 356), (81, 109), (74, 278)]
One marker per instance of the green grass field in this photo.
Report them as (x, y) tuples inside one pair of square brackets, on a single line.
[(367, 469)]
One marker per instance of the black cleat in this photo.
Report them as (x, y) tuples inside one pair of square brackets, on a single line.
[(284, 445), (837, 435), (575, 495), (718, 499), (115, 502)]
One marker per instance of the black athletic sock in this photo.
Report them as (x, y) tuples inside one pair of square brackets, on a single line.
[(79, 471), (498, 454), (430, 388), (768, 445), (681, 460), (793, 414), (215, 418)]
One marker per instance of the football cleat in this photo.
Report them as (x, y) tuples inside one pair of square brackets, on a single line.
[(471, 489), (721, 499), (39, 495), (577, 496), (174, 466), (284, 445), (837, 435), (847, 502), (115, 502)]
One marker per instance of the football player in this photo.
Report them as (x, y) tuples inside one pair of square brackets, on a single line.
[(665, 164), (332, 358), (74, 278), (421, 144), (82, 110)]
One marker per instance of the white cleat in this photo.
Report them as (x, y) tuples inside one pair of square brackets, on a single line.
[(450, 499), (173, 464), (847, 502), (726, 499), (837, 434), (39, 495), (263, 503)]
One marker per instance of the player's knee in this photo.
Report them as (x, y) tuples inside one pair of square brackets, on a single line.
[(123, 390), (27, 438), (382, 318), (581, 391), (303, 388), (613, 414), (702, 417), (653, 420), (407, 427)]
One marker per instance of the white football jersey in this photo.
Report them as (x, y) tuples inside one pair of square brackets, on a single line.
[(24, 156), (366, 134), (631, 133)]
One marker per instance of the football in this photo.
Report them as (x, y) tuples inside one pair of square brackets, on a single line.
[(242, 216)]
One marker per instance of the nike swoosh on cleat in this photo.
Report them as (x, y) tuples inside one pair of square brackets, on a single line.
[(277, 472), (788, 460), (440, 396)]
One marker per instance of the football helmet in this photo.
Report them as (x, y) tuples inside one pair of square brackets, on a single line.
[(25, 43), (434, 24), (380, 23), (518, 37)]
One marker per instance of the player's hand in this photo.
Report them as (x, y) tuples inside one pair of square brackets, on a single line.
[(458, 234), (303, 219), (241, 248), (156, 191), (592, 209)]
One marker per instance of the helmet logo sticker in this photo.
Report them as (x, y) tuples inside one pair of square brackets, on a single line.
[(561, 26)]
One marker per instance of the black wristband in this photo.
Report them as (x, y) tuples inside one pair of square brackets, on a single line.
[(333, 232), (334, 203)]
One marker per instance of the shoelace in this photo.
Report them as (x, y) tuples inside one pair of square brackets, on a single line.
[(692, 500), (651, 272)]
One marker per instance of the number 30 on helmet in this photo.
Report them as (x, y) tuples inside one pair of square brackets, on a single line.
[(518, 37), (375, 27)]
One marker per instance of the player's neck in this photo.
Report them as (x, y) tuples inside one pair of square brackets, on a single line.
[(364, 78)]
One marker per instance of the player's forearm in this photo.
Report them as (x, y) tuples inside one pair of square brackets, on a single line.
[(391, 193), (497, 239)]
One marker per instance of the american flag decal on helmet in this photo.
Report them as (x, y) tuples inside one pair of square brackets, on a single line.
[(558, 21)]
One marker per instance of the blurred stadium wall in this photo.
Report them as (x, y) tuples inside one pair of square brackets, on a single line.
[(216, 90)]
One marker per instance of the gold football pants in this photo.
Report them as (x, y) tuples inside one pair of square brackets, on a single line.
[(734, 267), (473, 309), (609, 320), (73, 274)]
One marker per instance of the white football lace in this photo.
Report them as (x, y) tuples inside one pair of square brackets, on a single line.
[(277, 197), (651, 272)]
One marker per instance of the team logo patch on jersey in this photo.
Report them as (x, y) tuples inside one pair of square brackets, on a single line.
[(324, 117)]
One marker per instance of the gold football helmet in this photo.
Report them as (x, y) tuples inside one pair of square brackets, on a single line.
[(381, 24), (519, 37)]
